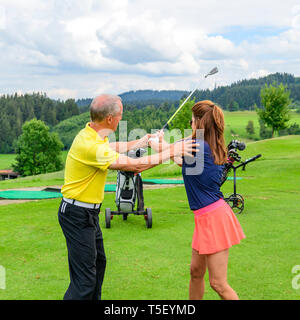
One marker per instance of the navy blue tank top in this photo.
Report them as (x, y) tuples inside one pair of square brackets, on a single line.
[(202, 186)]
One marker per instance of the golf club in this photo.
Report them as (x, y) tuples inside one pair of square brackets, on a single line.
[(213, 71)]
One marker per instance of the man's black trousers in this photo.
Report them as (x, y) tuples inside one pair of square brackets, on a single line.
[(86, 254)]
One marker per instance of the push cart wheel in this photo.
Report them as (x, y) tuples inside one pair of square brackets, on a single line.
[(148, 218), (108, 217), (236, 203), (125, 215)]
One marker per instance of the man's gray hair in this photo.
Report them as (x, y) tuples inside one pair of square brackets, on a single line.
[(104, 105)]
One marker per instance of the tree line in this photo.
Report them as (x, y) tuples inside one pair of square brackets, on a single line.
[(17, 109), (240, 95), (147, 118), (143, 108), (38, 150), (245, 94), (142, 98)]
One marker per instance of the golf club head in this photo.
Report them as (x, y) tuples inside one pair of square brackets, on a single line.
[(213, 71)]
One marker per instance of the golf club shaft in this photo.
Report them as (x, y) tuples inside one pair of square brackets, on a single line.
[(173, 116), (213, 71)]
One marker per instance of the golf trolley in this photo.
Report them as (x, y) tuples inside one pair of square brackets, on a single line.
[(129, 188), (235, 200)]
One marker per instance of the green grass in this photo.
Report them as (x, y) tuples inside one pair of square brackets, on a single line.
[(237, 121), (154, 263), (48, 179), (6, 161), (278, 148)]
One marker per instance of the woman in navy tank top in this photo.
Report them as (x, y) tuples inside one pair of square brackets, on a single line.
[(216, 226)]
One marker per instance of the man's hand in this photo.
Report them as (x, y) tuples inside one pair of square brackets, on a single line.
[(125, 146), (157, 137), (144, 142), (157, 142)]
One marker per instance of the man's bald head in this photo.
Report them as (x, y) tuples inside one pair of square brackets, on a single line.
[(104, 105)]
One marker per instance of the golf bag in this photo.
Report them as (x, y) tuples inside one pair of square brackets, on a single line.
[(232, 157), (128, 188), (235, 200)]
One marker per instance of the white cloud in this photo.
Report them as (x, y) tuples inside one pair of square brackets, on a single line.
[(296, 17), (136, 40), (2, 18), (62, 93), (259, 74), (82, 47), (215, 15)]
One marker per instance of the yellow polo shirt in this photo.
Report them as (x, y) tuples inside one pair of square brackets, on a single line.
[(86, 166)]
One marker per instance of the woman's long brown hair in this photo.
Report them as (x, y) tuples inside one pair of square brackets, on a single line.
[(210, 117)]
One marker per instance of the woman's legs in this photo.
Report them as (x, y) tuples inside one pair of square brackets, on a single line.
[(198, 269), (217, 269)]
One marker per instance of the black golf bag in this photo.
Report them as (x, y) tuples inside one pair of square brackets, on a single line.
[(235, 200)]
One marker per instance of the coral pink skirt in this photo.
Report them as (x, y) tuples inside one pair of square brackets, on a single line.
[(216, 228)]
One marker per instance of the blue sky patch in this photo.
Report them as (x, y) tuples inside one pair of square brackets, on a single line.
[(238, 34)]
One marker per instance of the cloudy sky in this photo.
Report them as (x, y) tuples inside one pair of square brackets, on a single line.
[(78, 49)]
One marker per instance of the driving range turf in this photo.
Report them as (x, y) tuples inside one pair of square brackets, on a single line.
[(154, 263)]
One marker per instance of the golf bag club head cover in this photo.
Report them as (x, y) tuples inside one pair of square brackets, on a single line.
[(232, 156)]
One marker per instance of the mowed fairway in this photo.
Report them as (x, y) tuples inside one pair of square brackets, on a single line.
[(154, 263), (236, 123)]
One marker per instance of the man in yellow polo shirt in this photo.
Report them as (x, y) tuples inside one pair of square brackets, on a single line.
[(88, 160)]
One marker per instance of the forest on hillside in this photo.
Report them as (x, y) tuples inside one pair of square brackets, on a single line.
[(146, 109), (240, 95), (17, 109), (148, 118), (245, 94), (142, 98)]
